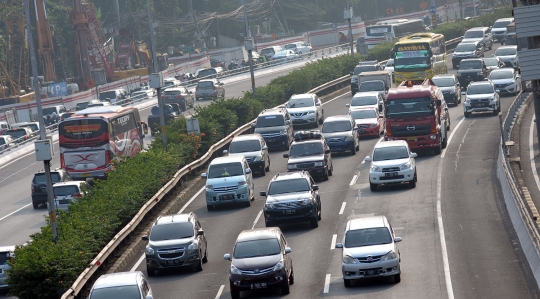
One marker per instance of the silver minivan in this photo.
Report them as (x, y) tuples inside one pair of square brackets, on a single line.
[(6, 254), (133, 285)]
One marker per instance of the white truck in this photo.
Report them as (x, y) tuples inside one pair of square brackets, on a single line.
[(380, 81)]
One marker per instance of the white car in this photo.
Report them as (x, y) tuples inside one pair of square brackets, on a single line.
[(285, 56), (370, 99), (508, 55), (6, 253), (481, 97), (67, 192), (506, 80), (305, 109), (171, 82), (369, 250), (390, 66), (133, 285), (140, 95), (299, 48), (6, 141), (392, 162)]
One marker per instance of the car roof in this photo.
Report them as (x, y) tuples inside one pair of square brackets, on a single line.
[(337, 118), (481, 83), (273, 111), (247, 137), (391, 143), (284, 176), (228, 159), (361, 108), (504, 19), (473, 59), (69, 183), (117, 279), (445, 76), (25, 123), (478, 28), (173, 218), (302, 96), (469, 42), (207, 80), (258, 234), (7, 248), (366, 93), (507, 47), (503, 70), (367, 222), (52, 170)]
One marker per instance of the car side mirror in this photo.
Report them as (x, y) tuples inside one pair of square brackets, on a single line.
[(227, 256), (253, 125), (398, 239), (339, 245), (262, 193), (203, 175), (285, 155), (248, 170), (492, 55), (200, 232), (347, 105), (225, 152), (318, 104), (351, 73), (145, 238), (327, 151), (265, 148), (367, 159), (288, 250), (414, 155), (315, 187), (438, 102), (463, 93)]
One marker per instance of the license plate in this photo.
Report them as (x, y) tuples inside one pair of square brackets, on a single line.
[(226, 197), (261, 285), (173, 262), (411, 139), (479, 105), (85, 175), (271, 140), (290, 211), (369, 272), (390, 174)]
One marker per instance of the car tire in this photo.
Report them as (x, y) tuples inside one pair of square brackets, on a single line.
[(314, 222), (263, 172), (326, 176), (319, 213), (286, 288), (247, 204), (205, 258), (438, 150), (291, 277), (358, 146), (267, 169), (199, 266), (466, 114), (321, 121), (444, 143), (331, 170), (397, 278), (35, 205), (373, 187), (235, 294), (412, 183), (347, 283), (150, 272), (209, 207), (269, 224), (353, 150)]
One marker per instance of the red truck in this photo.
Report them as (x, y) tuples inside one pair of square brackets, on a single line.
[(416, 112)]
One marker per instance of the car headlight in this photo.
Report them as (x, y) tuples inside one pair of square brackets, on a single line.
[(491, 98), (235, 270), (318, 164), (375, 168), (258, 158), (279, 266), (270, 206), (406, 166), (210, 187), (311, 113), (390, 256), (349, 260), (149, 251), (306, 201), (373, 125), (193, 246), (452, 91), (432, 137), (467, 100), (282, 132), (479, 73), (349, 137), (242, 183), (291, 166)]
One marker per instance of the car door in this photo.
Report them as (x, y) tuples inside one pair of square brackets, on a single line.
[(327, 154), (289, 127), (249, 177), (287, 257), (318, 107)]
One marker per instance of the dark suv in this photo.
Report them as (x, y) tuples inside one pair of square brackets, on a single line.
[(261, 259), (275, 127), (310, 152), (175, 241), (467, 50), (472, 70), (449, 85), (39, 184), (292, 197)]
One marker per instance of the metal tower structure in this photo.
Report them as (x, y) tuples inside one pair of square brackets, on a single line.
[(14, 67), (45, 43), (98, 49)]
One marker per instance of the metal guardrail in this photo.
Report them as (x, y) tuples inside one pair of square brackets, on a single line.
[(26, 139)]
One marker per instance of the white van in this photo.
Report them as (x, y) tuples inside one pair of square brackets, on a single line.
[(270, 51)]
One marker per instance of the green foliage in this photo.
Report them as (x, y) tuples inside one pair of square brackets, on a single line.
[(457, 29), (380, 52)]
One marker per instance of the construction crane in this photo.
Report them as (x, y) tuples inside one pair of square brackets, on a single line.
[(45, 43)]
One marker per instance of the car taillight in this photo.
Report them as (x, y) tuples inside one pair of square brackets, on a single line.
[(180, 96), (32, 187), (62, 162), (107, 157), (163, 97), (214, 87), (76, 195)]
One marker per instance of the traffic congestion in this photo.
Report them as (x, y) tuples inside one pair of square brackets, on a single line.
[(336, 198)]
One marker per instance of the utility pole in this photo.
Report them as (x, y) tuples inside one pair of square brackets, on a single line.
[(348, 14), (248, 44), (156, 70), (461, 9), (117, 10), (42, 134)]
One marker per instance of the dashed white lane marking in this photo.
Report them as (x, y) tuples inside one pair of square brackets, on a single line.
[(191, 200), (333, 244), (446, 265), (327, 284), (342, 208), (220, 291), (353, 180), (531, 154), (256, 219), (137, 264), (452, 135), (14, 212)]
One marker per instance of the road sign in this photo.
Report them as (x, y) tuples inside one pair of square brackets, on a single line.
[(433, 9), (434, 21), (57, 89), (188, 49)]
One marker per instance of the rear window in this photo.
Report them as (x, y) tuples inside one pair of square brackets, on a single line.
[(82, 128), (32, 127), (206, 73), (206, 84), (4, 257), (16, 134), (501, 24), (364, 68), (49, 111), (270, 121), (65, 190), (290, 46), (2, 141), (39, 178), (107, 95), (81, 106), (171, 92), (267, 51), (371, 86), (470, 65)]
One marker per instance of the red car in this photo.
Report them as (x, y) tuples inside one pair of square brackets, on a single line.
[(368, 121)]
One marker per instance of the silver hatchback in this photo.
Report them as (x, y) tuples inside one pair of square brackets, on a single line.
[(209, 89)]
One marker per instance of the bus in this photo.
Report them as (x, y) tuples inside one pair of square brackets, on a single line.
[(91, 138), (419, 56), (392, 29)]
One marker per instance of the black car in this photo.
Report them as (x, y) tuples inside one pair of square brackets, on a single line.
[(467, 50), (39, 184), (310, 152), (261, 259), (449, 85), (292, 197), (472, 70)]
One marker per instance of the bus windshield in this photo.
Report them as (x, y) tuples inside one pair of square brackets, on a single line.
[(83, 128), (378, 30), (412, 107)]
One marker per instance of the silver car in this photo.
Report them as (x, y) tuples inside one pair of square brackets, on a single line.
[(369, 250), (508, 55), (481, 97), (305, 109), (209, 89), (506, 80), (67, 192), (6, 254), (131, 285)]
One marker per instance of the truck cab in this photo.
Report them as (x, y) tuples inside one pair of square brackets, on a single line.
[(416, 112), (373, 79)]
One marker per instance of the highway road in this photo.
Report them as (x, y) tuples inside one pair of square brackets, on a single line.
[(457, 238)]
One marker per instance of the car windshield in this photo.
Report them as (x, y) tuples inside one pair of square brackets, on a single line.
[(465, 47), (96, 104), (474, 34), (81, 106), (267, 51), (116, 292), (288, 186), (363, 114), (412, 62), (65, 190), (225, 170), (206, 72), (282, 53), (501, 24), (5, 257), (270, 121), (139, 94), (300, 103), (256, 248), (171, 92), (2, 141), (480, 89), (244, 146), (205, 84), (470, 65), (168, 83), (306, 149), (39, 178), (171, 231), (371, 86), (290, 46), (107, 95), (32, 127), (443, 82), (491, 61), (364, 100), (502, 74), (390, 153), (336, 126), (505, 52), (364, 68), (411, 107), (367, 237)]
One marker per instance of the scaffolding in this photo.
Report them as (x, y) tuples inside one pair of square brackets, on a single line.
[(14, 63)]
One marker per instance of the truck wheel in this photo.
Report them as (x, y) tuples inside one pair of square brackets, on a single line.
[(438, 150), (444, 143)]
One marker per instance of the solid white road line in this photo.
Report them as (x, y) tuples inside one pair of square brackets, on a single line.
[(14, 212), (256, 219), (137, 264), (327, 284), (452, 135), (353, 180), (334, 239), (531, 154), (191, 200), (220, 291), (342, 208)]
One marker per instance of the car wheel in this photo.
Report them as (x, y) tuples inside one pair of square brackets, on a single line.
[(314, 222), (467, 114), (291, 277), (209, 207), (199, 266), (353, 150), (445, 141), (412, 183), (397, 278), (331, 170), (347, 283), (247, 204), (151, 272), (205, 258), (358, 146), (319, 213), (438, 150), (300, 53), (267, 169), (235, 294), (263, 172), (285, 289), (321, 121), (35, 205), (326, 175), (269, 224), (373, 187)]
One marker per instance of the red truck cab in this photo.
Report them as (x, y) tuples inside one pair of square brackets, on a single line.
[(417, 113)]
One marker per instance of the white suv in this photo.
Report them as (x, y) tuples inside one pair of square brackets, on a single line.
[(392, 162), (299, 48), (305, 109)]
